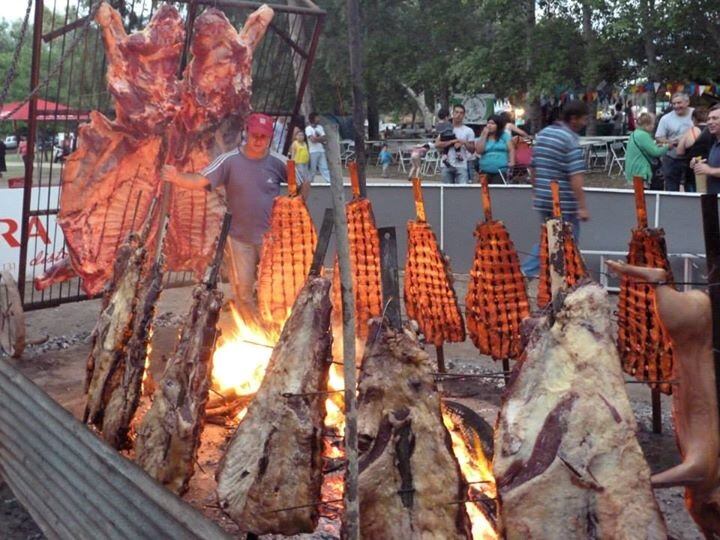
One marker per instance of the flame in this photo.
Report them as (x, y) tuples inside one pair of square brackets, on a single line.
[(478, 474), (240, 360)]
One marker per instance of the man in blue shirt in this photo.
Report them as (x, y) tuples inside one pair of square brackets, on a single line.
[(712, 167), (251, 175), (557, 156)]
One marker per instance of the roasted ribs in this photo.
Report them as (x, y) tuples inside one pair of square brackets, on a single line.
[(285, 259), (573, 265), (430, 298), (274, 460), (644, 344), (365, 267), (496, 301), (566, 462)]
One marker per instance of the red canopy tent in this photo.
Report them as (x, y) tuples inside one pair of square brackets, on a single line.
[(47, 111)]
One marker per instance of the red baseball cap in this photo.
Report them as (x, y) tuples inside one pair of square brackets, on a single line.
[(261, 124)]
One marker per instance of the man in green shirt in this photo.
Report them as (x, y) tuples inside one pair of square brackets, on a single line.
[(641, 149)]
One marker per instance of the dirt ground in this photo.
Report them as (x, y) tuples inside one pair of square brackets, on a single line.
[(56, 362)]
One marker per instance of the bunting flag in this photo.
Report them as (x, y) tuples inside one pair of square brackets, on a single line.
[(657, 86)]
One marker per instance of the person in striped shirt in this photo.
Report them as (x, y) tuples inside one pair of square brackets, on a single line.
[(557, 156)]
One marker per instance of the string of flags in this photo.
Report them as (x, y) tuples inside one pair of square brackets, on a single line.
[(692, 89)]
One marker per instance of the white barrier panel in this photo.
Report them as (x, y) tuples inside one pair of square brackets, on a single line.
[(45, 239)]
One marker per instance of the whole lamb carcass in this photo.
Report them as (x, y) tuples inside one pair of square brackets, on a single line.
[(108, 184), (567, 463)]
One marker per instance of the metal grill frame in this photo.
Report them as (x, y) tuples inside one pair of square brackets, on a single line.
[(287, 104)]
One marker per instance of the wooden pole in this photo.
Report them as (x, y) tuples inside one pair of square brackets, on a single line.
[(352, 504), (390, 276), (355, 47), (711, 229)]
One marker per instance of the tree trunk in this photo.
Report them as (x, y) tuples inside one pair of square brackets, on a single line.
[(419, 100), (647, 12), (590, 62), (445, 96), (373, 116), (355, 47), (532, 113)]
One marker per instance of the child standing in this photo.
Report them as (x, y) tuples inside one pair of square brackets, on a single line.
[(385, 159), (300, 154)]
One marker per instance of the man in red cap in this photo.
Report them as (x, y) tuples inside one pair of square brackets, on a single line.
[(251, 175)]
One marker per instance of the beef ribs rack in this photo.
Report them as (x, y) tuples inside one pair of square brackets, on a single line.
[(410, 481), (364, 261), (108, 183), (116, 364), (169, 434), (430, 298), (573, 267), (287, 254), (497, 301), (567, 463), (274, 458), (644, 344)]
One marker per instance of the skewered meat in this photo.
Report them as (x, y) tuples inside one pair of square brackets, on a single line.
[(109, 182), (574, 266), (567, 463), (429, 295), (285, 258), (496, 301), (688, 319), (410, 480), (365, 266), (274, 460), (107, 361), (169, 435), (644, 345)]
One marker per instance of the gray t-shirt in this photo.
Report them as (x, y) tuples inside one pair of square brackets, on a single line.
[(251, 186), (672, 127)]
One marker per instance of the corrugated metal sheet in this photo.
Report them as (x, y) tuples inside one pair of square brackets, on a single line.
[(74, 485)]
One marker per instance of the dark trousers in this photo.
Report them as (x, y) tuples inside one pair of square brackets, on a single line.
[(677, 172)]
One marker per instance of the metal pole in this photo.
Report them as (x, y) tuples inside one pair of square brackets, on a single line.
[(355, 46), (30, 153), (352, 504), (656, 411)]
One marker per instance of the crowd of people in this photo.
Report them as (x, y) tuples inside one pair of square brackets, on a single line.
[(683, 153)]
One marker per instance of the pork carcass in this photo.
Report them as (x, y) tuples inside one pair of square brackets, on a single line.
[(566, 462), (169, 435), (410, 481), (274, 460), (109, 182)]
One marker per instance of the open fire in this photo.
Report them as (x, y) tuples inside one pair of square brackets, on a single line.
[(239, 365)]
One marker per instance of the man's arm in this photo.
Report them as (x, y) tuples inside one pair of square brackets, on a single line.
[(661, 132), (183, 180), (701, 167), (576, 183)]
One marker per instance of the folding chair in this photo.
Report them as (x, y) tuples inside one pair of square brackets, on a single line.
[(617, 150), (431, 163), (599, 153)]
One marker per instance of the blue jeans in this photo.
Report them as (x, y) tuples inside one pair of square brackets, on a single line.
[(676, 172), (318, 163), (531, 266), (454, 175)]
